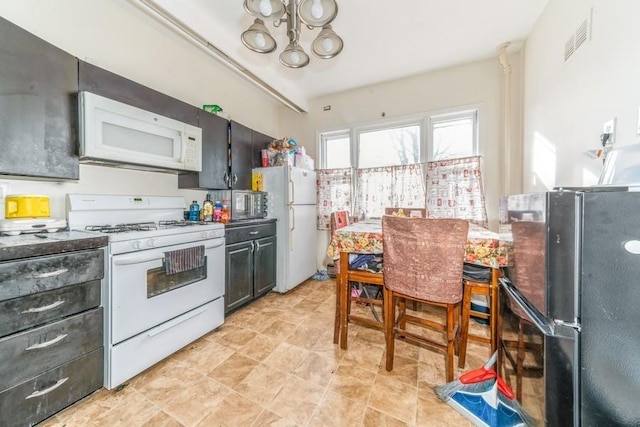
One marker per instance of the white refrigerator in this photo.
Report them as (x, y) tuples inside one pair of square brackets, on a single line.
[(291, 200)]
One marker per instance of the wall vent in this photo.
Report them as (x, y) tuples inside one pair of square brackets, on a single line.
[(577, 39)]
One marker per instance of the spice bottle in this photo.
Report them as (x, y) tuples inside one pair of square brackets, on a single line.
[(207, 209), (225, 216)]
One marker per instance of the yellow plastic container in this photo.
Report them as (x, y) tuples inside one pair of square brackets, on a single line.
[(26, 206), (256, 181)]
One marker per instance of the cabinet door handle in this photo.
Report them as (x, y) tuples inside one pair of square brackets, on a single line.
[(235, 178), (254, 232), (49, 343), (44, 307), (50, 274), (47, 390), (226, 178), (257, 246), (253, 246)]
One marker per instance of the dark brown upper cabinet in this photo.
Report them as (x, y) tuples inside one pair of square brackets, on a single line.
[(215, 156), (38, 107)]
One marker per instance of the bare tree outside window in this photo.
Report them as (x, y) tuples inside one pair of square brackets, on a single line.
[(389, 147)]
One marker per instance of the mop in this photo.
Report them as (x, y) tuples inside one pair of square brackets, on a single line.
[(484, 398)]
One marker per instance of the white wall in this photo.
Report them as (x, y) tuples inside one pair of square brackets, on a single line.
[(478, 83), (566, 103), (115, 35)]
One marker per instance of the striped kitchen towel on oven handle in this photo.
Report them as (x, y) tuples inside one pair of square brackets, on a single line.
[(183, 260)]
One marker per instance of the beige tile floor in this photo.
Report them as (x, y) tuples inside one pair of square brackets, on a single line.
[(274, 363)]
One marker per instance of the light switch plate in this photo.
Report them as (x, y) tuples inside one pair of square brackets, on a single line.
[(610, 127)]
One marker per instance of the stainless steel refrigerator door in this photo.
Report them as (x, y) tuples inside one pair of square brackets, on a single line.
[(610, 309), (550, 399)]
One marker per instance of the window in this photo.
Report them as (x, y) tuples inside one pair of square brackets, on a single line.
[(453, 135), (336, 150), (449, 134), (389, 146)]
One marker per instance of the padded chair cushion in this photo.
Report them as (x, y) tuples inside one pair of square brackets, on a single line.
[(423, 257), (476, 273)]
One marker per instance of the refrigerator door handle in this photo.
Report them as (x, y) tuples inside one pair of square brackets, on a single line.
[(293, 226), (542, 323), (293, 192)]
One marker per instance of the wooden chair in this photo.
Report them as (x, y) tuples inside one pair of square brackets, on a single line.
[(528, 274), (423, 263), (337, 220), (408, 212), (478, 280)]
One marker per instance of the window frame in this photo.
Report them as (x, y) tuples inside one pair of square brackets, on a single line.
[(425, 121), (451, 114)]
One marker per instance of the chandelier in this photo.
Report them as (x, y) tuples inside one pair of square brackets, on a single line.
[(313, 13)]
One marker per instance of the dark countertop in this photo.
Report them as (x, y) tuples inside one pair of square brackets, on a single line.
[(30, 245), (246, 222)]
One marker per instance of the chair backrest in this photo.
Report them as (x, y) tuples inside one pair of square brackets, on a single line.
[(338, 220), (528, 272), (408, 212), (423, 257)]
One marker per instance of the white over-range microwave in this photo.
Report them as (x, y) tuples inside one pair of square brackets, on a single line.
[(115, 133)]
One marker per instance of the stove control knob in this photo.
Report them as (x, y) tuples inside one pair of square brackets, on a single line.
[(136, 244), (151, 243)]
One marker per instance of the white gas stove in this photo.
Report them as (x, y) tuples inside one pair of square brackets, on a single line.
[(164, 279)]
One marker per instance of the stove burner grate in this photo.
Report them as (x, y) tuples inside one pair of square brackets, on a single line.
[(123, 228)]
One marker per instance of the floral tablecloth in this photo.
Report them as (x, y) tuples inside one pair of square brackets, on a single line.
[(483, 246)]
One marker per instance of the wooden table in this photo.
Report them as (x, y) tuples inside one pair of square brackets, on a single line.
[(483, 247)]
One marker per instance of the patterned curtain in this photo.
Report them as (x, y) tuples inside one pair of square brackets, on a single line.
[(454, 190), (333, 194), (391, 186)]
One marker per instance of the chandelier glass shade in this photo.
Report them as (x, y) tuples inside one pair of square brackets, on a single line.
[(295, 13)]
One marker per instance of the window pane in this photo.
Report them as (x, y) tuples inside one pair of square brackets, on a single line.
[(337, 151), (453, 138), (389, 147)]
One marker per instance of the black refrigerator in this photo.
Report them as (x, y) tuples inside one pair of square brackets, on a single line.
[(570, 305)]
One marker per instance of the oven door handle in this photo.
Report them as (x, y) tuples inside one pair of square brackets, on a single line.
[(158, 255), (128, 260)]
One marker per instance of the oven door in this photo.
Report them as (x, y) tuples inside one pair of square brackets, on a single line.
[(143, 296)]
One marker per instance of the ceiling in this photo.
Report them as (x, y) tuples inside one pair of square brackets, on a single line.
[(383, 40)]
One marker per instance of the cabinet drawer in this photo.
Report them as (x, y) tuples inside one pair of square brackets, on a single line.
[(242, 234), (29, 276), (27, 354), (32, 310), (38, 398)]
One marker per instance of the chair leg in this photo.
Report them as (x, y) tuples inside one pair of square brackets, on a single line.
[(451, 319), (493, 308), (345, 299), (464, 326), (520, 361), (389, 326), (336, 323)]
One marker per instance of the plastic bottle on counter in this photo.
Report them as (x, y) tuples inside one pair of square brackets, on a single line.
[(225, 215), (207, 209), (194, 211), (217, 211)]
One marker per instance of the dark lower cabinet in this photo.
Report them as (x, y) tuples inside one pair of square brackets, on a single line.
[(250, 263), (51, 333), (38, 107)]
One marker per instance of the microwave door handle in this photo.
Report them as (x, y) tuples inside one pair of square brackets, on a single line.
[(538, 319)]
